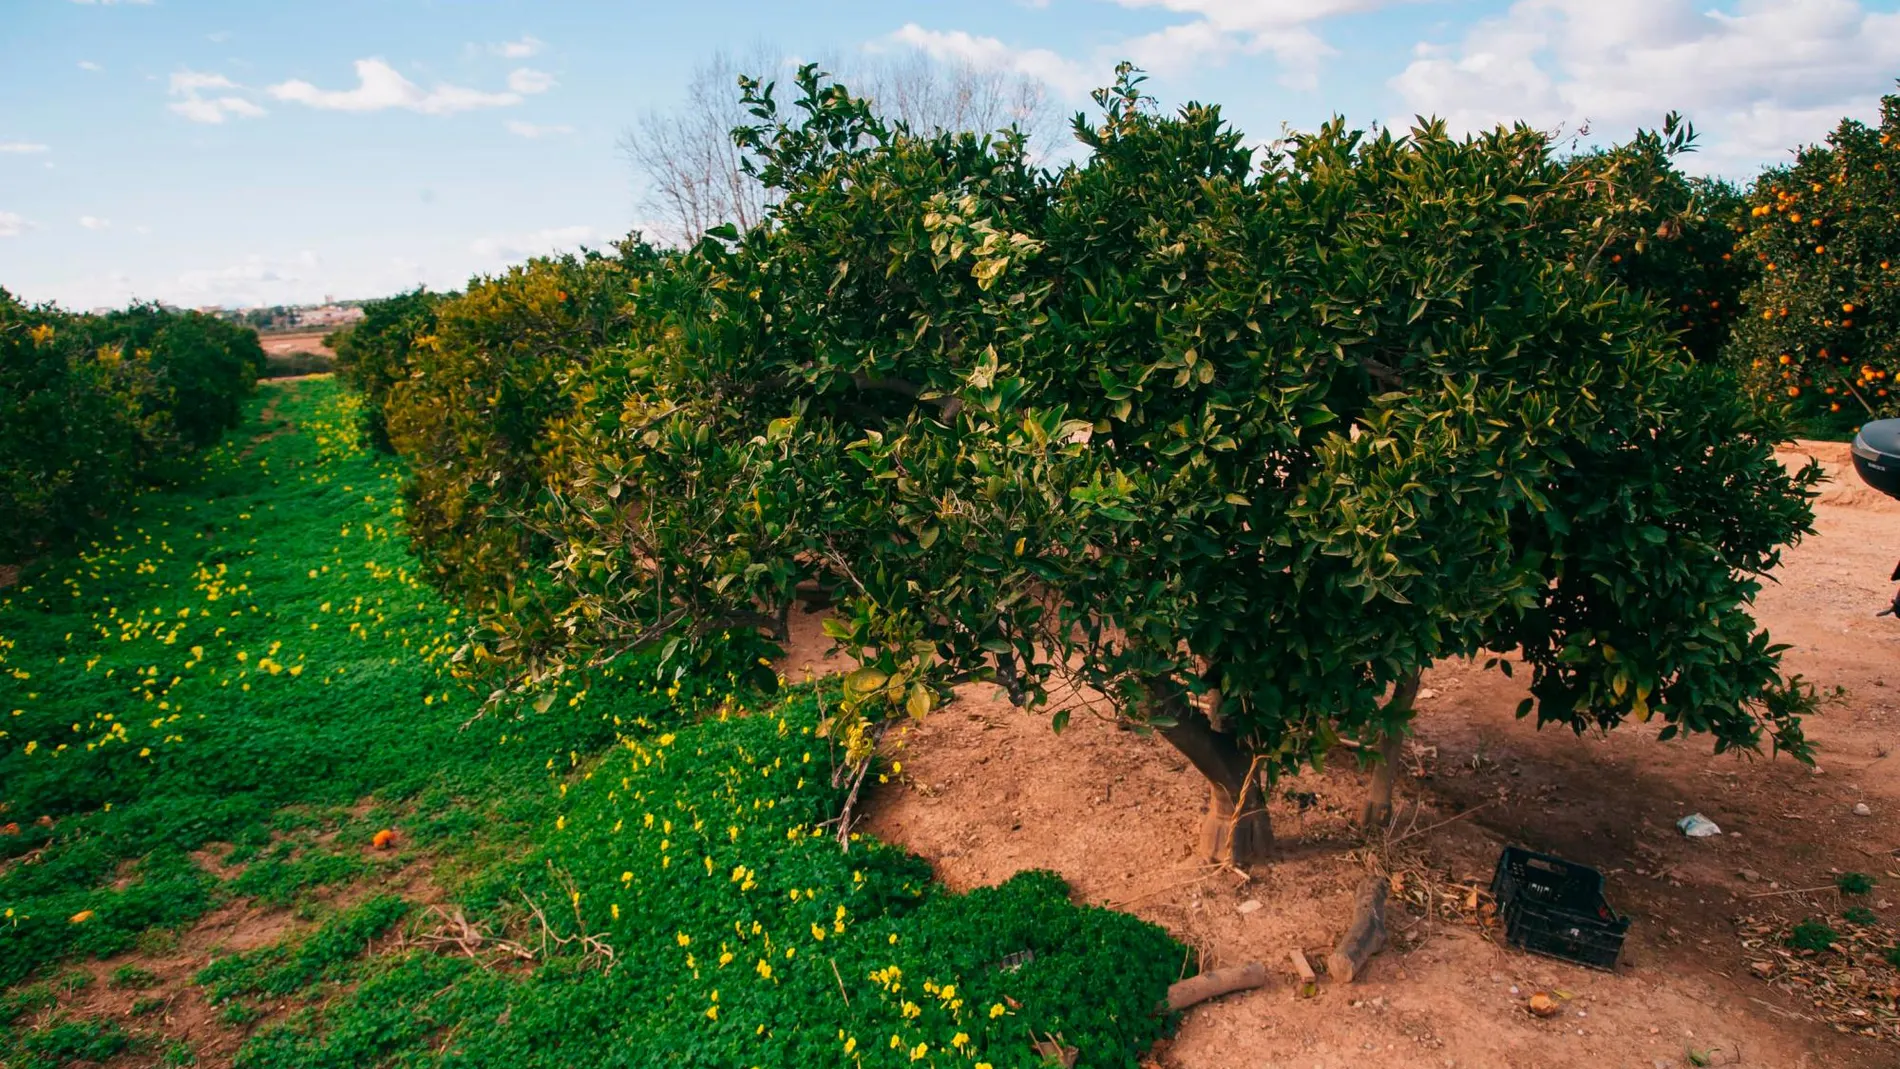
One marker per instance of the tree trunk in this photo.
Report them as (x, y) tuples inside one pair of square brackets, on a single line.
[(1237, 833), (1237, 829), (1378, 808)]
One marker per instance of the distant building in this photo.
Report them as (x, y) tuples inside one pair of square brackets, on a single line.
[(329, 315)]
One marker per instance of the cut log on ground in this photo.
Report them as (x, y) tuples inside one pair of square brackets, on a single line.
[(1365, 937), (1196, 989), (1301, 966)]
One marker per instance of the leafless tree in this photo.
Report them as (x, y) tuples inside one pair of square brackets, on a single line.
[(928, 94), (690, 166), (691, 171)]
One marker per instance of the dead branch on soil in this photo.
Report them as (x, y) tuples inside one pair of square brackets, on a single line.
[(453, 932), (1207, 872), (593, 948), (1797, 891), (1365, 936), (1410, 832), (1208, 985), (835, 975)]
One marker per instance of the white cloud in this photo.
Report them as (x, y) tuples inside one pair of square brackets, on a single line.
[(531, 130), (12, 224), (1209, 32), (89, 65), (192, 81), (538, 243), (521, 49), (23, 148), (252, 281), (380, 87), (1066, 75), (1756, 80), (194, 103), (93, 222), (528, 81)]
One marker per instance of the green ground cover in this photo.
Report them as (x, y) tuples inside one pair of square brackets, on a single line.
[(227, 699)]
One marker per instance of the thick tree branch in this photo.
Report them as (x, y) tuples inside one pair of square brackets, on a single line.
[(1383, 374), (947, 406), (1214, 753)]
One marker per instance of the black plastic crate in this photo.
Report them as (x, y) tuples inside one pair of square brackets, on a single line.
[(1555, 907)]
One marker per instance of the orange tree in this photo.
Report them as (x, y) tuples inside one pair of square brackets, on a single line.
[(474, 409), (1823, 322), (376, 352), (1239, 448), (93, 408), (1639, 220)]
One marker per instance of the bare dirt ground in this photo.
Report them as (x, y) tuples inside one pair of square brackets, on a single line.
[(986, 790), (295, 355), (301, 342)]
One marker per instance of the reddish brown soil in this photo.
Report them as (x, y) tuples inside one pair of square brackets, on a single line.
[(987, 790), (172, 1007), (307, 342)]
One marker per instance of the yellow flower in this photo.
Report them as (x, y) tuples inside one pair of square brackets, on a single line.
[(996, 1011), (684, 939), (851, 1044), (764, 969), (82, 916), (712, 1013), (917, 1052), (960, 1040)]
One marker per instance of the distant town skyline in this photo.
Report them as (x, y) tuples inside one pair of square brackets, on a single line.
[(211, 152)]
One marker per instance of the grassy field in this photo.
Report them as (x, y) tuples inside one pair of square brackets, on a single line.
[(240, 704)]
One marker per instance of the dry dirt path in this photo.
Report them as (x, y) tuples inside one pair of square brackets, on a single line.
[(986, 790)]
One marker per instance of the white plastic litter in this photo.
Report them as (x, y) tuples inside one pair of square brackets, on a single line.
[(1697, 826)]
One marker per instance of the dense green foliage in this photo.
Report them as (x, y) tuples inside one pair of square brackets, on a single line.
[(93, 408), (484, 388), (376, 353), (1823, 323), (1155, 422), (289, 673), (1642, 222)]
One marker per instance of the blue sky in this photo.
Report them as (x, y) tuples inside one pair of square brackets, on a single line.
[(241, 152)]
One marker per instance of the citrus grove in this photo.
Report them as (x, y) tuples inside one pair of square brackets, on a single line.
[(1149, 426), (467, 658), (1824, 322)]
